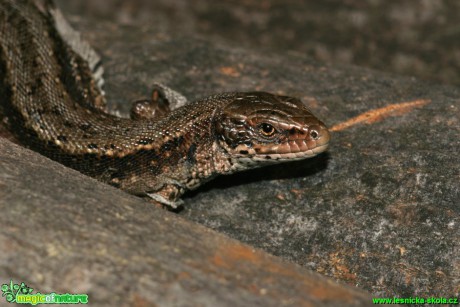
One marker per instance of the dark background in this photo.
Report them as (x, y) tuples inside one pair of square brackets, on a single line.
[(413, 38)]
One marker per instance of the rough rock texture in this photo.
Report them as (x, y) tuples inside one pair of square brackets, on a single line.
[(380, 210), (410, 37), (65, 233)]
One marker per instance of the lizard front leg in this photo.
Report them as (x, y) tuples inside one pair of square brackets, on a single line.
[(168, 192), (168, 195)]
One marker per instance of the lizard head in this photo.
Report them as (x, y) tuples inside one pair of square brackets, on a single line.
[(261, 127)]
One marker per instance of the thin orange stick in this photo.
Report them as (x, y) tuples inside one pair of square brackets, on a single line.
[(376, 115)]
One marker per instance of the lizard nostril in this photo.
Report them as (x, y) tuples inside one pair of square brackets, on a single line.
[(314, 134)]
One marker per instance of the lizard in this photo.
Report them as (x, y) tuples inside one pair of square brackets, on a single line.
[(52, 102)]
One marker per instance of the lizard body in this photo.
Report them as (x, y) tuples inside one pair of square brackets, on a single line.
[(53, 104)]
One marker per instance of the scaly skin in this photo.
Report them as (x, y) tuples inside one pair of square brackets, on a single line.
[(53, 105)]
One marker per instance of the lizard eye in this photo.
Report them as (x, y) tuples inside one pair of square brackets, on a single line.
[(267, 129)]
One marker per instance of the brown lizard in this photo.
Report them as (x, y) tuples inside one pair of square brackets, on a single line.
[(52, 103)]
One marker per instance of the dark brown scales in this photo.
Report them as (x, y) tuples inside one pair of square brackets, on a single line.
[(52, 105)]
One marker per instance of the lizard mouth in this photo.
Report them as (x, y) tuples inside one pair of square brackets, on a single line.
[(293, 155)]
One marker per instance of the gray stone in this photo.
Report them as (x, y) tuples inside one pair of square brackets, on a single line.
[(63, 232)]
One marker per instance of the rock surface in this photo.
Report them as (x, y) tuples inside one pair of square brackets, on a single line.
[(63, 232), (409, 37)]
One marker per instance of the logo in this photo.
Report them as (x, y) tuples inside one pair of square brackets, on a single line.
[(22, 294)]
